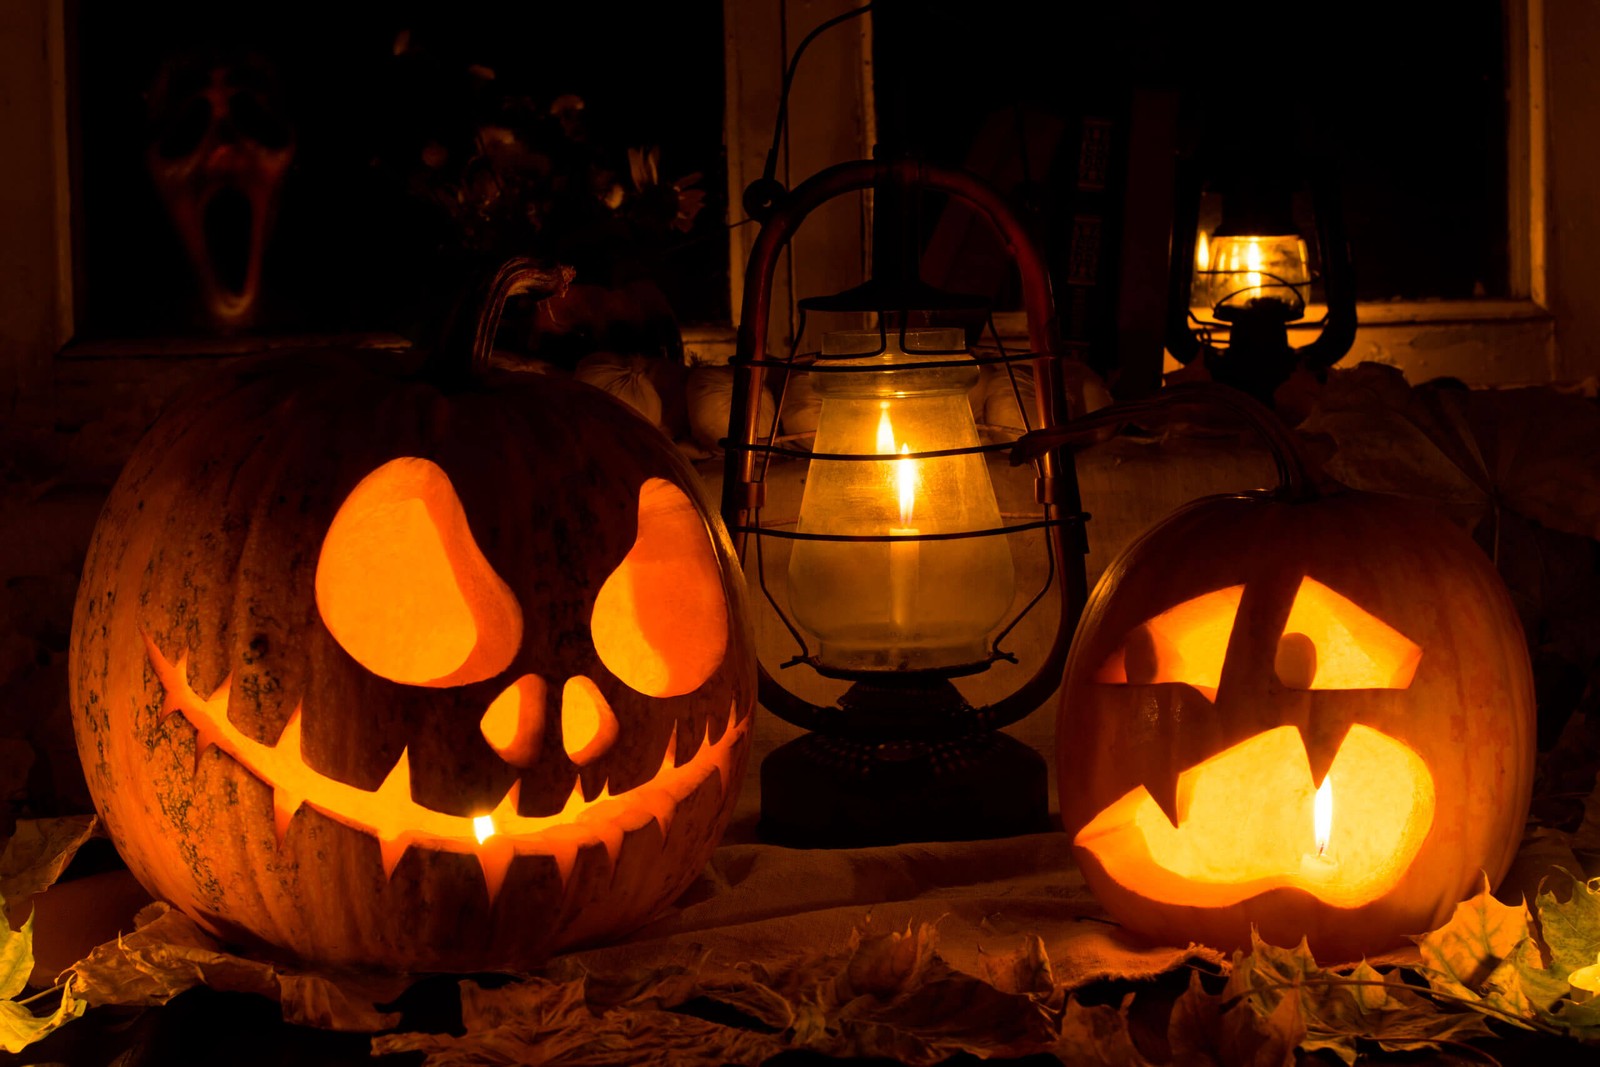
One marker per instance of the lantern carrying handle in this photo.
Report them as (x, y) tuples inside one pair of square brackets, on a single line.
[(1056, 476), (1295, 480), (468, 341)]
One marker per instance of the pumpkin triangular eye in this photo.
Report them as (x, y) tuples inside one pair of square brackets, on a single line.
[(1186, 643), (1331, 642), (403, 587), (660, 621)]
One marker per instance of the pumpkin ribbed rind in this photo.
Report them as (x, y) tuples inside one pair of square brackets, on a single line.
[(1468, 712), (207, 546)]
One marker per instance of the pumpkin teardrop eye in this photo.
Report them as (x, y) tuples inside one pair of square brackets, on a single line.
[(403, 587), (588, 725), (660, 621), (1331, 642), (1186, 643), (514, 723)]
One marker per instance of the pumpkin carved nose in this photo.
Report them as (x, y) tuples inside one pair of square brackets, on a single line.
[(514, 723)]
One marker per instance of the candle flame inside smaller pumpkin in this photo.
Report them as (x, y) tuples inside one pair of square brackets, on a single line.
[(1322, 814), (483, 827)]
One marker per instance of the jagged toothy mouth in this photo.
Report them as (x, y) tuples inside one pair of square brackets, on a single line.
[(1246, 824), (399, 823)]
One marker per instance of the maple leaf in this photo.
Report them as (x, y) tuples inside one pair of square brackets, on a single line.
[(1097, 1036), (19, 1027), (1570, 928), (1480, 958), (539, 1021), (168, 953), (1025, 969), (1529, 451), (1208, 1028), (1339, 1010), (38, 852)]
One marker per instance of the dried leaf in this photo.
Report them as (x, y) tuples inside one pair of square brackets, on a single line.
[(20, 1028), (1098, 1036), (1337, 1011), (38, 852), (883, 965), (1222, 1029), (16, 956), (1473, 956), (1025, 969), (927, 1025), (1570, 929), (1581, 1021), (1386, 451), (1530, 451), (538, 1021), (167, 954)]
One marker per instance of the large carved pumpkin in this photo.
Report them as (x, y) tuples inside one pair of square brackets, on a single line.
[(1251, 660), (380, 673)]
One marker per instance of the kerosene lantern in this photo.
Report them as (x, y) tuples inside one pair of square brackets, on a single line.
[(1251, 276), (900, 576)]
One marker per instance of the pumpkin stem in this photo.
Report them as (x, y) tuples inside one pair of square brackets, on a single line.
[(1295, 480), (468, 340)]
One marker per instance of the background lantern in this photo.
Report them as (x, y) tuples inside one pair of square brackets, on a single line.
[(1247, 271), (1308, 715), (900, 569), (422, 671)]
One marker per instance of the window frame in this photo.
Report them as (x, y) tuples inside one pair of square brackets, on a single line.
[(1479, 341)]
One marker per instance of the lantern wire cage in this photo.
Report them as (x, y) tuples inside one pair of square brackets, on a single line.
[(904, 755), (1258, 357)]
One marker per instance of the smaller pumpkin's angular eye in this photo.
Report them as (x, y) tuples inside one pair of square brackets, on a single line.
[(660, 621), (1186, 643), (514, 723), (588, 725), (403, 587), (1331, 642)]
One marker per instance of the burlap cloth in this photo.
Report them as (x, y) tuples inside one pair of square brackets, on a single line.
[(985, 897)]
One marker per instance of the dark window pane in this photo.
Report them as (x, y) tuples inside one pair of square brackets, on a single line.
[(411, 137), (1408, 100)]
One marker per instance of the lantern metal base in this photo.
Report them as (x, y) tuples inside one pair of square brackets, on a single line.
[(830, 792)]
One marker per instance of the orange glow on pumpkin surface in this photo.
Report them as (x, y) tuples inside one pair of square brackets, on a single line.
[(399, 823), (1248, 824)]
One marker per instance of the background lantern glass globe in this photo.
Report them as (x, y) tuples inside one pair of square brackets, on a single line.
[(911, 604), (1236, 273)]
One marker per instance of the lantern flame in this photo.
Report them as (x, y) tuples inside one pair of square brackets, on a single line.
[(885, 430), (1202, 252), (483, 827), (1322, 814), (906, 479), (1253, 263)]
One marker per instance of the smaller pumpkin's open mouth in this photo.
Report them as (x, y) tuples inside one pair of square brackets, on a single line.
[(399, 823), (1248, 823)]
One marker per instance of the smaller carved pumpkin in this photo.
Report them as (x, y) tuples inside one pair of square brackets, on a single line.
[(377, 671), (1314, 717)]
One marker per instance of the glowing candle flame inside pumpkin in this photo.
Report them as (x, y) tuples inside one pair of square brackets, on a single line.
[(483, 827), (1322, 814)]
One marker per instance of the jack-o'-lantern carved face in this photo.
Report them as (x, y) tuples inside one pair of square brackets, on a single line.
[(520, 694), (1301, 745)]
